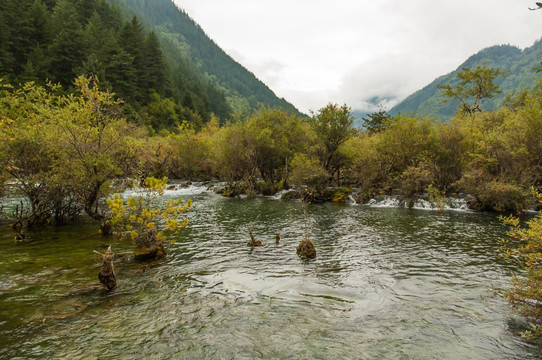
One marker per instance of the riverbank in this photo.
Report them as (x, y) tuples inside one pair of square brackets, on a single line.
[(340, 195)]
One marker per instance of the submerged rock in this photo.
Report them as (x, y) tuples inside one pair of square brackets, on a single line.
[(306, 250)]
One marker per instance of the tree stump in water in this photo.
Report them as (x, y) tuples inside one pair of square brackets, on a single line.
[(19, 236), (306, 250), (150, 249), (106, 228), (253, 242), (149, 252), (107, 275)]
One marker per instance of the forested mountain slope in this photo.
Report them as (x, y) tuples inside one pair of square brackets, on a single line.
[(182, 37), (520, 63), (164, 76)]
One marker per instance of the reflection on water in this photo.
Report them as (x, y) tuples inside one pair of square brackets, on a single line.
[(386, 284)]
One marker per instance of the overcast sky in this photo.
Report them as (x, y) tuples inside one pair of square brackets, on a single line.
[(313, 52)]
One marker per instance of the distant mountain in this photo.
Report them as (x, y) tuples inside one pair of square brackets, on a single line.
[(182, 38), (427, 101)]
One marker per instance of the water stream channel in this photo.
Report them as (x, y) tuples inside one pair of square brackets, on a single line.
[(387, 283)]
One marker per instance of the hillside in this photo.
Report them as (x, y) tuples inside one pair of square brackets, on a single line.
[(182, 38), (159, 63), (58, 40), (427, 101)]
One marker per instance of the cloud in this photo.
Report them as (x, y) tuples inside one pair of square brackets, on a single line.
[(387, 80), (268, 70)]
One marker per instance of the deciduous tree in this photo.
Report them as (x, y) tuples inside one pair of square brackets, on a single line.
[(473, 88)]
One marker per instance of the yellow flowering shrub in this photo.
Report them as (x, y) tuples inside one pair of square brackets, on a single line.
[(140, 216), (526, 295)]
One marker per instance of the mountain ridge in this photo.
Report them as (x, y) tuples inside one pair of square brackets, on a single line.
[(521, 63), (182, 36)]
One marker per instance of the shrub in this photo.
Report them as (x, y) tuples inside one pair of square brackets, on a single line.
[(140, 216), (526, 296)]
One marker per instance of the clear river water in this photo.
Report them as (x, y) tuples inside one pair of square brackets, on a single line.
[(387, 283)]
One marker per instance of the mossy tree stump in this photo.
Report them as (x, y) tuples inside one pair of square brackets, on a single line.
[(107, 274), (306, 250), (152, 248)]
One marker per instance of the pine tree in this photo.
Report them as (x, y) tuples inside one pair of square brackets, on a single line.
[(67, 50), (155, 68), (17, 17), (132, 40)]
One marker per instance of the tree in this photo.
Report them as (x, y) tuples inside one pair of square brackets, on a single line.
[(16, 44), (132, 40), (96, 147), (120, 72), (67, 51), (473, 88), (231, 156), (333, 127), (28, 153), (155, 66), (376, 121), (309, 172), (273, 137)]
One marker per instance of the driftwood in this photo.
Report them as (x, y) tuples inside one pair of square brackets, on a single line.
[(107, 275), (253, 242)]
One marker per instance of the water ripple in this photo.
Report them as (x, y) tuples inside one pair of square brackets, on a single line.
[(386, 283)]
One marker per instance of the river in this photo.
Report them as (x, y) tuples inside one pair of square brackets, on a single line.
[(387, 283)]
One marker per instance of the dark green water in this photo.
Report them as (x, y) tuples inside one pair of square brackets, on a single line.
[(386, 284)]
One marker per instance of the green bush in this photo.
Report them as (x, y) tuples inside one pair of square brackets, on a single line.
[(499, 196)]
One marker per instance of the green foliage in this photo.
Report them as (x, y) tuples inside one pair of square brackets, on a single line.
[(366, 170), (308, 171), (88, 37), (525, 247), (269, 189), (64, 151), (414, 180), (333, 126), (231, 157), (436, 197), (96, 146), (273, 137), (376, 121), (191, 151), (141, 215), (260, 146), (494, 156), (27, 148), (494, 195)]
